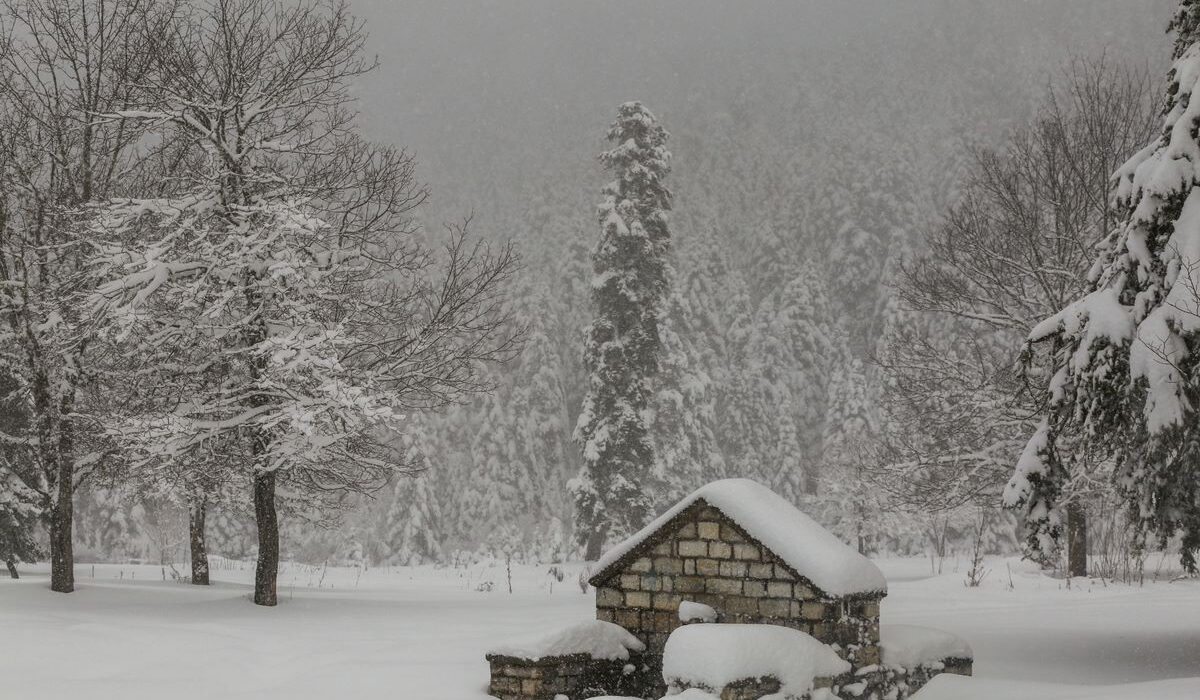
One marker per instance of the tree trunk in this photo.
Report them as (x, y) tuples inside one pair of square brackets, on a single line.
[(1077, 547), (267, 570), (12, 568), (595, 543), (196, 517), (62, 554)]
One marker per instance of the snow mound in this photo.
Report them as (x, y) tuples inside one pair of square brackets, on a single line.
[(952, 687), (811, 550), (596, 638), (910, 646), (713, 656), (690, 610)]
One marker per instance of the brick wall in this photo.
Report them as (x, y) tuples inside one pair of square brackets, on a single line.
[(706, 558)]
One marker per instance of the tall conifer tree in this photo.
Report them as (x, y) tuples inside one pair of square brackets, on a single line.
[(622, 347)]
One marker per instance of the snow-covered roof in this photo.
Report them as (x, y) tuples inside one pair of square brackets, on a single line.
[(799, 541), (596, 638), (910, 646), (713, 656)]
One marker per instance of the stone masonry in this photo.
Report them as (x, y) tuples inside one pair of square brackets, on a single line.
[(574, 675), (702, 556)]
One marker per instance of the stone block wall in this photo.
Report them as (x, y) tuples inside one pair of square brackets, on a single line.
[(706, 558), (524, 679), (764, 687), (870, 683), (898, 683), (576, 676)]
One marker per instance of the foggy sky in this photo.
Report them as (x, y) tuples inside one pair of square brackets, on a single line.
[(492, 94)]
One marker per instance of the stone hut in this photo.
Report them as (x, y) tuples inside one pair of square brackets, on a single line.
[(741, 549), (731, 552)]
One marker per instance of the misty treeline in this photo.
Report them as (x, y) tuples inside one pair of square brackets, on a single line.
[(812, 205), (863, 232), (212, 288)]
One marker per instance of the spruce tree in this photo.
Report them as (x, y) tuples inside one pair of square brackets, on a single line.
[(682, 416), (412, 527), (18, 504), (1126, 353), (622, 344)]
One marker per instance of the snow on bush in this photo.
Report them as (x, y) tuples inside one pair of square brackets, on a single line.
[(910, 646), (596, 638), (713, 656), (814, 552)]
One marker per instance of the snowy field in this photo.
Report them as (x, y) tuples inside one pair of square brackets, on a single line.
[(421, 632)]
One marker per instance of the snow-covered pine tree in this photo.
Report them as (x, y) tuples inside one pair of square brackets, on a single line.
[(542, 427), (413, 535), (682, 419), (18, 520), (802, 322), (18, 503), (612, 495), (1126, 354), (851, 508)]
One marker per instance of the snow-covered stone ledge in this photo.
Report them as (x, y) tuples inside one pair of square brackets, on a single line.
[(749, 661), (911, 657), (585, 660)]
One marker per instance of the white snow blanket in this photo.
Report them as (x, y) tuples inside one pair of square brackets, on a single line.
[(811, 550), (910, 646), (951, 687), (596, 638), (713, 656)]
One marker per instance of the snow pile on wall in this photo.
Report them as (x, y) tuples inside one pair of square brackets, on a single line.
[(596, 638), (811, 550), (714, 656), (910, 646), (690, 611)]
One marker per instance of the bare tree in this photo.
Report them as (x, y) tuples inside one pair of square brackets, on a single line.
[(1014, 249), (61, 64), (288, 265)]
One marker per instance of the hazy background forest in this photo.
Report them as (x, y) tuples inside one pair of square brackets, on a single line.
[(816, 147)]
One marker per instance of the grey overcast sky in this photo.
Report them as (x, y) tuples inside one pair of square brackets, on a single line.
[(489, 90)]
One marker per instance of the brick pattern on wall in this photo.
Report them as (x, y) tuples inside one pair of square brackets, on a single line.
[(706, 558), (575, 676)]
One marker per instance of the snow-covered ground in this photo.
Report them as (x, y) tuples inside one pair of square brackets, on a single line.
[(421, 632)]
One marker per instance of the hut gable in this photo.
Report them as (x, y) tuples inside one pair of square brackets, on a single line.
[(798, 542)]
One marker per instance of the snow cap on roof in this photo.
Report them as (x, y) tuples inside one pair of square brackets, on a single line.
[(803, 545)]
